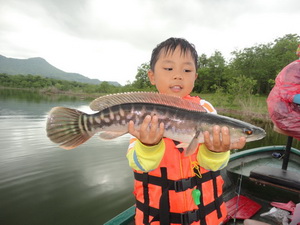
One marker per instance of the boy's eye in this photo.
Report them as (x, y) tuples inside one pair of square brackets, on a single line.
[(168, 69), (187, 71)]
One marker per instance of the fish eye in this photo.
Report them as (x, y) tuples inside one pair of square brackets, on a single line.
[(248, 131)]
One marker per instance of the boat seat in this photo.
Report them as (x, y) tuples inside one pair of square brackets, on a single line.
[(286, 178), (254, 222)]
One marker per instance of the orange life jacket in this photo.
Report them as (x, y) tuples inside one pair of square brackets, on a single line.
[(164, 195)]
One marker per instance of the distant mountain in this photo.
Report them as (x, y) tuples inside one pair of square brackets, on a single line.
[(39, 66)]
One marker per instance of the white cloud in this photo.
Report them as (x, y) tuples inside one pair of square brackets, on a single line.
[(108, 40)]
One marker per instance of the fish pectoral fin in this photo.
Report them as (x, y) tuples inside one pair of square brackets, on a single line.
[(193, 145), (182, 145), (191, 148), (108, 135)]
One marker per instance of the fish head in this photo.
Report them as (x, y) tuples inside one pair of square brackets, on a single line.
[(254, 133), (251, 133), (240, 129)]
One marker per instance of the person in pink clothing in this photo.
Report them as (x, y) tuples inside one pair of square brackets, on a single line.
[(284, 100)]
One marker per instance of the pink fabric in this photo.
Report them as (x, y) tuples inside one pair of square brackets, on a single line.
[(284, 113)]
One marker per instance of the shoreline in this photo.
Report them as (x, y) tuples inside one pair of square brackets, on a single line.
[(245, 115), (248, 116)]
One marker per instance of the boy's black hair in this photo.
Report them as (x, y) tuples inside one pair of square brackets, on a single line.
[(170, 45)]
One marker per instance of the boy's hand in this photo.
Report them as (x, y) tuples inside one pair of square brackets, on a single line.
[(222, 145), (150, 132)]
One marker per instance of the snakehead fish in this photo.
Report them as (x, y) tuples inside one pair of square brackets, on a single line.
[(184, 121)]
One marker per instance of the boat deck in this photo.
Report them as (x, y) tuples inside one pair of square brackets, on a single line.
[(248, 159)]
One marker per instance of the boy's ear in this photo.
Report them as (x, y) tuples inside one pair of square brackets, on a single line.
[(196, 75), (151, 77)]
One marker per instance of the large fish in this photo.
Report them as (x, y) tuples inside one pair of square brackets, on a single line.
[(184, 121)]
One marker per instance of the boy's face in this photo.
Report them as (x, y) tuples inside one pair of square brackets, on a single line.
[(174, 73)]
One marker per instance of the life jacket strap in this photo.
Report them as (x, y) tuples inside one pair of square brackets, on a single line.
[(183, 218), (177, 185), (215, 185), (216, 203), (164, 205), (145, 181)]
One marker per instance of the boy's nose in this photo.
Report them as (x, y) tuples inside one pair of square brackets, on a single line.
[(178, 76)]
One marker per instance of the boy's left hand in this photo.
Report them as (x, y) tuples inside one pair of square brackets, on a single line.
[(222, 145)]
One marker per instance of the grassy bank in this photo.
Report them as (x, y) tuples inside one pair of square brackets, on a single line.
[(251, 108)]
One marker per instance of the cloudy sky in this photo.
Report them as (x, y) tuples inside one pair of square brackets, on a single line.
[(109, 39)]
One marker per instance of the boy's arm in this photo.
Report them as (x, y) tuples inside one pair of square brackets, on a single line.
[(144, 158), (219, 157), (147, 148), (212, 160)]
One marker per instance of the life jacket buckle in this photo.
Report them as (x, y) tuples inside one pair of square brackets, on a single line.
[(183, 184), (189, 217)]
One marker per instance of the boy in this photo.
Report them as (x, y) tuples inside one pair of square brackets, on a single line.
[(169, 187)]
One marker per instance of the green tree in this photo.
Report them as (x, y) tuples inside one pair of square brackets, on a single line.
[(216, 64), (241, 86), (263, 62), (141, 78), (284, 50), (256, 63), (210, 72), (105, 87)]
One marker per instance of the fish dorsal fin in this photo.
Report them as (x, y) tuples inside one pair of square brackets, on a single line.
[(107, 101)]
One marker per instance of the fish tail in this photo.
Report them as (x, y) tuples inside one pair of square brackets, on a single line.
[(65, 126)]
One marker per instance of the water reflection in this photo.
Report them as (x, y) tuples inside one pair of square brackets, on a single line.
[(43, 184)]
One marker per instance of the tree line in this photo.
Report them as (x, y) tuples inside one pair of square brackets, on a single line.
[(250, 71), (46, 84)]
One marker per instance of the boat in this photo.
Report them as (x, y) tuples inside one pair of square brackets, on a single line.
[(263, 175), (267, 175)]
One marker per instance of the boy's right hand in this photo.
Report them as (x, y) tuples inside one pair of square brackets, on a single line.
[(150, 131)]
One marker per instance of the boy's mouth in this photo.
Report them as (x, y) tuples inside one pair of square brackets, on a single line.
[(176, 88)]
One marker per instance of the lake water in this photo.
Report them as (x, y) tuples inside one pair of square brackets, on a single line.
[(41, 183)]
